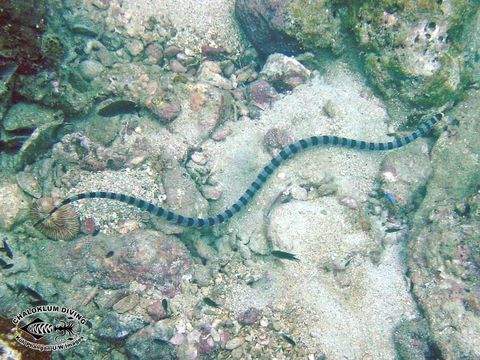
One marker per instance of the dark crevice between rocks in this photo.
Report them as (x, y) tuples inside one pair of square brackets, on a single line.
[(414, 332)]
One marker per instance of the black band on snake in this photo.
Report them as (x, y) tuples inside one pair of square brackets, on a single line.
[(257, 184)]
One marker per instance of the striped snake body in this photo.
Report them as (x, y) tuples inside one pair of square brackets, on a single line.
[(257, 184)]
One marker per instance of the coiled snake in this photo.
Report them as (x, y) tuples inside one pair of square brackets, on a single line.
[(257, 184)]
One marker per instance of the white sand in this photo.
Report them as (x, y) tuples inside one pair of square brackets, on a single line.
[(350, 314), (198, 23)]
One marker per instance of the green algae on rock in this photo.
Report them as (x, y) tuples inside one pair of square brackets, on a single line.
[(444, 256), (410, 50), (414, 50)]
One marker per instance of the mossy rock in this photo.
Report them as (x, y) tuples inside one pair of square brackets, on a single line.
[(414, 50), (53, 48), (30, 116)]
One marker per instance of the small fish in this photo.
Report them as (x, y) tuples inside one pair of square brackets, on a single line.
[(7, 249), (7, 69), (110, 254), (5, 265), (165, 305), (39, 302), (391, 199), (289, 340), (210, 302), (284, 255), (96, 232), (118, 107), (33, 293)]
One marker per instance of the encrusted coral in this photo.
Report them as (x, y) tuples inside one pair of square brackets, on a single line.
[(62, 225), (53, 48)]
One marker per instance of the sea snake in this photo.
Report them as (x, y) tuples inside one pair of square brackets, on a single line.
[(256, 185)]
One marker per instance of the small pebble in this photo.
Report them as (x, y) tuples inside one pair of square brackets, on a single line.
[(199, 158), (177, 67), (248, 317), (126, 304), (299, 193), (220, 134), (156, 311), (171, 51), (234, 343), (177, 339), (211, 192), (237, 353), (90, 69), (349, 202), (201, 276)]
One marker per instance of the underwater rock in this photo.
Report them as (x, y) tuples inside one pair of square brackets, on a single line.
[(204, 108), (126, 304), (261, 93), (73, 95), (167, 111), (116, 328), (284, 73), (183, 196), (38, 143), (276, 139), (349, 202), (245, 75), (201, 275), (100, 129), (23, 116), (105, 57), (134, 47), (220, 134), (443, 251), (54, 48), (78, 149), (152, 343), (13, 203), (249, 316), (415, 52), (211, 192), (7, 71), (210, 73), (29, 184), (177, 67), (156, 310), (264, 22), (23, 24), (406, 172), (171, 51), (84, 26), (90, 69), (153, 53), (412, 340), (206, 345), (213, 53), (147, 257), (234, 343)]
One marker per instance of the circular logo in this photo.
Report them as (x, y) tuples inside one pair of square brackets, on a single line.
[(49, 328)]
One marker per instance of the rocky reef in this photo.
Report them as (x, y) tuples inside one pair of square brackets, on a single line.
[(412, 51)]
